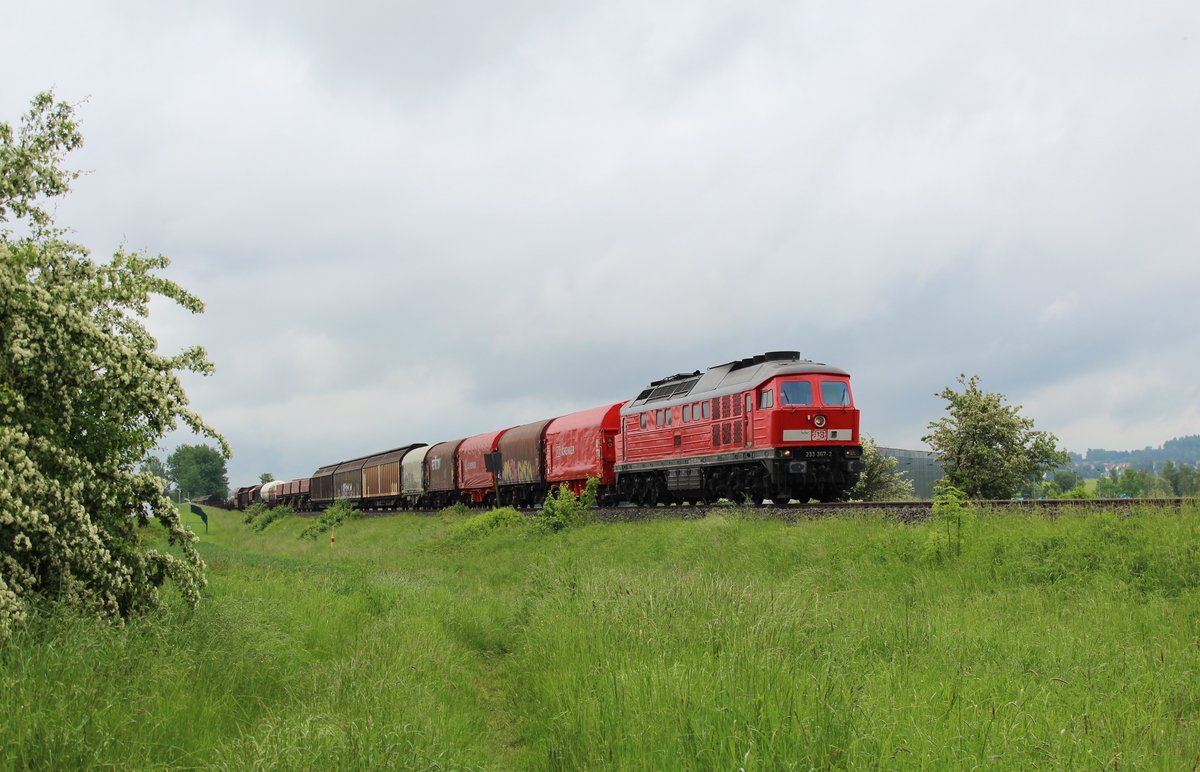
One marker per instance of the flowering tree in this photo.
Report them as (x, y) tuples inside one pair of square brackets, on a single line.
[(84, 396), (986, 446)]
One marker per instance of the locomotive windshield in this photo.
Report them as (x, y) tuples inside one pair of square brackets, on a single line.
[(835, 392), (795, 393)]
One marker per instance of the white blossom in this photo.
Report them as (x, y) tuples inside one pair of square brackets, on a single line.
[(84, 395)]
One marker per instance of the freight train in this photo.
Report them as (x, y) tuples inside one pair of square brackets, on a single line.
[(773, 426)]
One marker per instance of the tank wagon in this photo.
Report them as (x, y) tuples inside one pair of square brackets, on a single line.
[(773, 426)]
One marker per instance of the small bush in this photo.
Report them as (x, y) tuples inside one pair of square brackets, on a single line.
[(950, 516), (483, 524), (331, 518), (253, 512), (563, 509), (457, 509), (269, 516)]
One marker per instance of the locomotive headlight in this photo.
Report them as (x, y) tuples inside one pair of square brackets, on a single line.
[(819, 421)]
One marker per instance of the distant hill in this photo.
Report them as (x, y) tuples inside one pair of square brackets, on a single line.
[(1181, 450)]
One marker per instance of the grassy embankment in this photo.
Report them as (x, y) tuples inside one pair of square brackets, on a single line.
[(722, 643)]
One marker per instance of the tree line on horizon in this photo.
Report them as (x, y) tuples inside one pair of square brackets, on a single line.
[(1098, 462)]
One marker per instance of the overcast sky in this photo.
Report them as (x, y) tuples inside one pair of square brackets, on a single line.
[(426, 220)]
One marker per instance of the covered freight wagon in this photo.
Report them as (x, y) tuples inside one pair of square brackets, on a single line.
[(347, 479), (381, 478), (522, 478), (475, 482), (582, 445), (441, 474), (321, 490), (412, 475)]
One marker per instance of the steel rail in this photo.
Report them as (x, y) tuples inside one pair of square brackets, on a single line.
[(902, 510)]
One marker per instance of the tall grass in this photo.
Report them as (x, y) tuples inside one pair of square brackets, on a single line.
[(730, 642)]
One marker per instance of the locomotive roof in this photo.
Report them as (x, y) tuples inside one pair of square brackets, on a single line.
[(729, 378)]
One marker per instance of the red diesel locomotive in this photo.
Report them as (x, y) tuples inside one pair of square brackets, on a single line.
[(773, 426)]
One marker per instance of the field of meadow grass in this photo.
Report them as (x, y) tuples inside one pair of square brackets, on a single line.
[(729, 642)]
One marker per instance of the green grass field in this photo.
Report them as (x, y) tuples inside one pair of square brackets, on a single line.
[(729, 642)]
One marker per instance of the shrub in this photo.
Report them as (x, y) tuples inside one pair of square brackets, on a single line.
[(271, 515), (563, 509), (950, 516), (1078, 492), (85, 395), (458, 509), (488, 522), (253, 512), (330, 518)]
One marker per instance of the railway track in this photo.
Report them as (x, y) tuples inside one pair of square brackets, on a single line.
[(904, 511)]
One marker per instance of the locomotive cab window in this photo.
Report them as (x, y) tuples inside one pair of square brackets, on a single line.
[(749, 403), (687, 413), (766, 399), (643, 420), (835, 392), (796, 393), (705, 409)]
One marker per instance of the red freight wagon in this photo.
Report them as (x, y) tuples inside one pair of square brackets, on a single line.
[(475, 482), (582, 445), (301, 494), (772, 426), (286, 493)]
